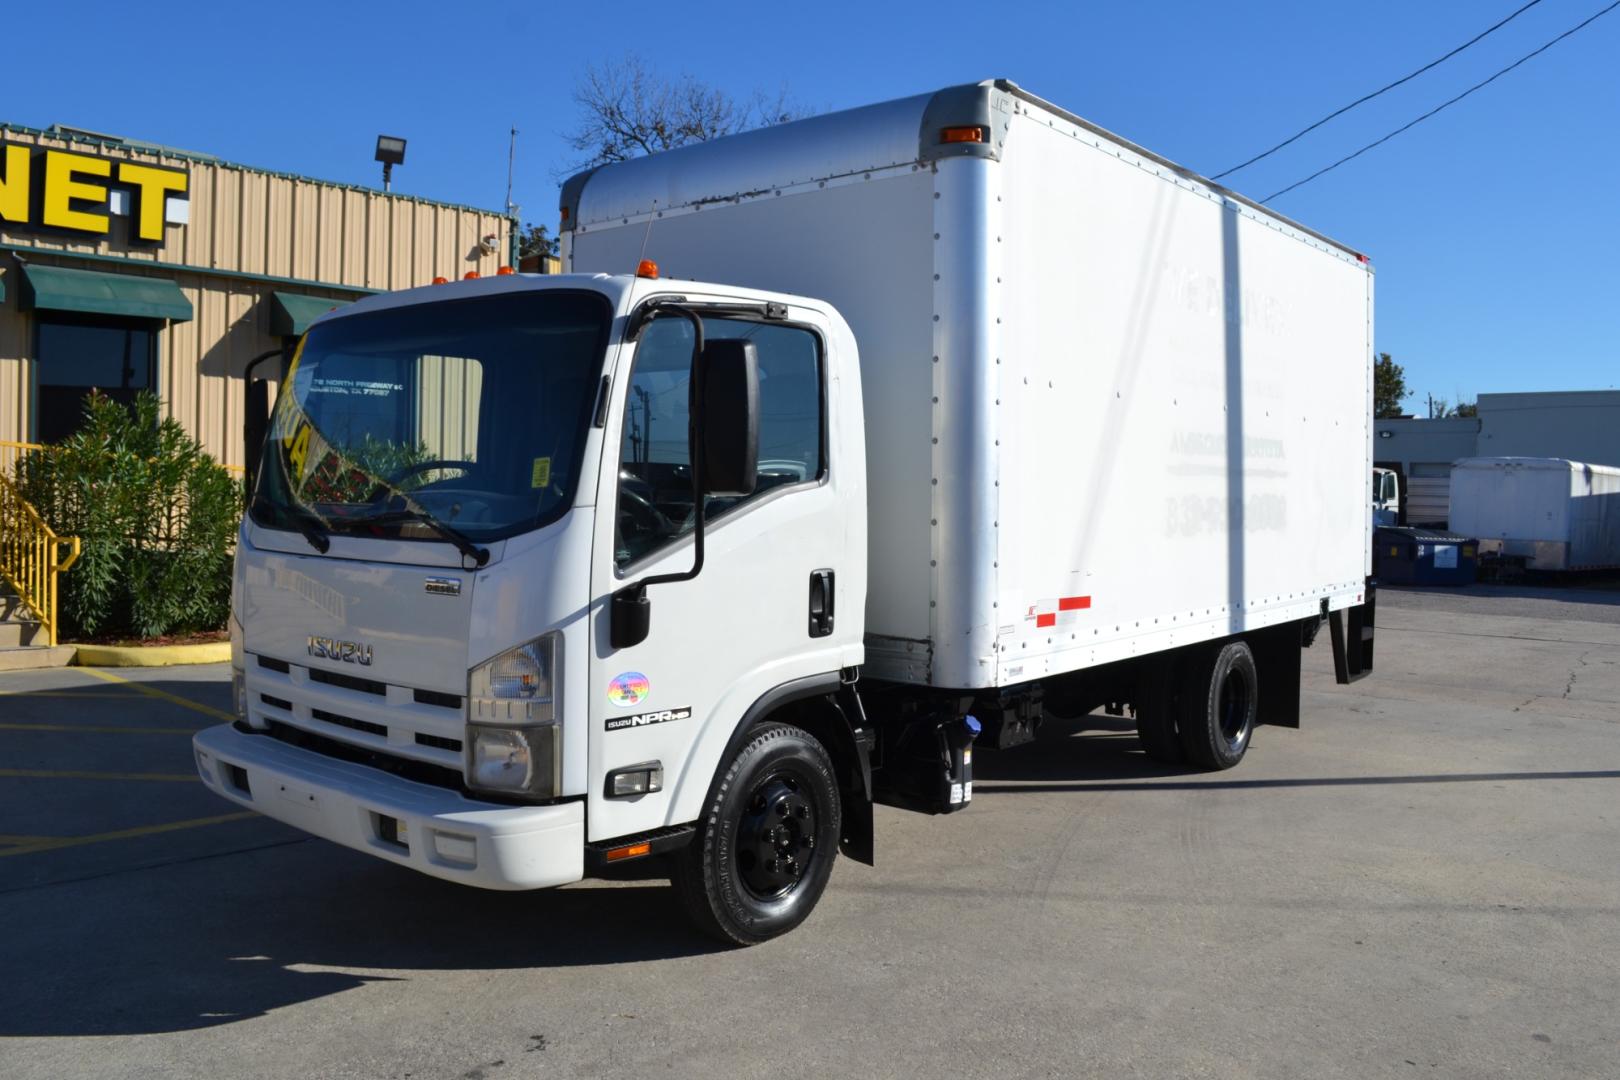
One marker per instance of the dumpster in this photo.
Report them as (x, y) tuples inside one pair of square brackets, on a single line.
[(1406, 556)]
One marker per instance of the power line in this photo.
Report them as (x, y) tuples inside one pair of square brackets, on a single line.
[(1446, 105), (1362, 100)]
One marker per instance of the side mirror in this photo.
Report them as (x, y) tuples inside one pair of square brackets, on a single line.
[(255, 424), (728, 421)]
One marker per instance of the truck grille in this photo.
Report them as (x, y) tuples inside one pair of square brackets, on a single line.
[(378, 719), (420, 771)]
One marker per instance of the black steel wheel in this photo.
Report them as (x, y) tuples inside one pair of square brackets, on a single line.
[(1219, 703), (766, 843)]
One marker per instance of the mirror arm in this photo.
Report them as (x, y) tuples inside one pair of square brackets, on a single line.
[(631, 611), (694, 435)]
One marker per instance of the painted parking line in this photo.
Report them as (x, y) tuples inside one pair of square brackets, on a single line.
[(163, 695), (59, 774), (96, 694), (100, 729), (54, 843)]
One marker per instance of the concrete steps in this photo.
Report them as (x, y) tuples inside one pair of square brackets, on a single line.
[(33, 657), (22, 638)]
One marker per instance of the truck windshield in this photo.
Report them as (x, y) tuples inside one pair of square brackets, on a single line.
[(471, 413)]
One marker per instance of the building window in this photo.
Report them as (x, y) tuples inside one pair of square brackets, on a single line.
[(77, 355)]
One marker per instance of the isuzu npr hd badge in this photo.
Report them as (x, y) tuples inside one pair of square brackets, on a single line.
[(662, 716)]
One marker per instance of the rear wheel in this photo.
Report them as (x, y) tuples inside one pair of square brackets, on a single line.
[(766, 843), (1218, 704), (1156, 717)]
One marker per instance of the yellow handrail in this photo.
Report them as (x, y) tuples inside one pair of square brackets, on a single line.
[(31, 556)]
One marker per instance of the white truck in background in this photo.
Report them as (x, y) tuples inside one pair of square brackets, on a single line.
[(1386, 506), (1538, 514), (933, 418)]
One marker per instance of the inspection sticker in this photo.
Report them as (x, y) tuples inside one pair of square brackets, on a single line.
[(540, 476), (662, 716), (629, 688)]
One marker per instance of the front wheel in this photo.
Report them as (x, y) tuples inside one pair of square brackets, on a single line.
[(765, 845)]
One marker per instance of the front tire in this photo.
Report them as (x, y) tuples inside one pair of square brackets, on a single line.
[(1219, 706), (765, 845)]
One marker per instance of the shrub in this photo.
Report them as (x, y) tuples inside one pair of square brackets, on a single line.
[(157, 517)]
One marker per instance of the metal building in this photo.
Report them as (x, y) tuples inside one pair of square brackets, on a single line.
[(1580, 425), (127, 266)]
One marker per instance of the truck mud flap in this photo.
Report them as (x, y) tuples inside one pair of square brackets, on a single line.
[(1352, 631)]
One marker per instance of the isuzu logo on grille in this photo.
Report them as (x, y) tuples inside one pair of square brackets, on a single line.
[(350, 652)]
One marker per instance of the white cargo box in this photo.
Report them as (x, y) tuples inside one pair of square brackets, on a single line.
[(1552, 513), (1111, 408)]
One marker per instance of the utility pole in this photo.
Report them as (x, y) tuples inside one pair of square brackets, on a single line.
[(511, 156)]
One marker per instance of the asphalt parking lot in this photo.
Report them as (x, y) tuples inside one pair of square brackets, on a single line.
[(1423, 881)]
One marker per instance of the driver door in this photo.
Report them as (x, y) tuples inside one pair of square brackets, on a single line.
[(743, 626)]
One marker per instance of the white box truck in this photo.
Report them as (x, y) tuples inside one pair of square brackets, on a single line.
[(1538, 513), (933, 419)]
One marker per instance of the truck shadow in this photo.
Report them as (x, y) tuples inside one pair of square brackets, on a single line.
[(1096, 747), (217, 941), (1102, 753)]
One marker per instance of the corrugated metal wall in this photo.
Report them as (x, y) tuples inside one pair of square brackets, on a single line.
[(242, 221)]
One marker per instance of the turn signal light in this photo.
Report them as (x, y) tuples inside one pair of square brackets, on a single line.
[(961, 134), (647, 269), (629, 851)]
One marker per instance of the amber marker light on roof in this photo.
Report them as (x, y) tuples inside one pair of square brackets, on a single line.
[(503, 271), (441, 281), (961, 134), (647, 269)]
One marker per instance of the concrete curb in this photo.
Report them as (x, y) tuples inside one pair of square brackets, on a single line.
[(212, 652)]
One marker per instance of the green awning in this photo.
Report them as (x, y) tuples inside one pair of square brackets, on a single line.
[(291, 313), (53, 288)]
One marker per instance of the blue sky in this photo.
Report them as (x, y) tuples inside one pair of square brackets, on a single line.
[(1493, 226)]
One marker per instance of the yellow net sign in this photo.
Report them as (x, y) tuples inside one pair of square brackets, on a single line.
[(60, 190)]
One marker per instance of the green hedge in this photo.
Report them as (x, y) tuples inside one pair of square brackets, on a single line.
[(157, 517)]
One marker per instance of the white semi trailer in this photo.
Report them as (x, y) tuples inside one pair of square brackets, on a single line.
[(935, 418), (1538, 514)]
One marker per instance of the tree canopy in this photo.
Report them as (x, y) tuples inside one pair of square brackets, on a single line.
[(627, 110), (1389, 388)]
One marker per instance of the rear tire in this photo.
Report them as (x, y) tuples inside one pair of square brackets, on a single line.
[(1218, 707), (1156, 718), (766, 842)]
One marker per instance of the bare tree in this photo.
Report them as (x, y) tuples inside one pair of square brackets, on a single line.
[(627, 110)]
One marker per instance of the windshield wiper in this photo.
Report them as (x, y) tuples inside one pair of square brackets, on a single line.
[(409, 509), (310, 524)]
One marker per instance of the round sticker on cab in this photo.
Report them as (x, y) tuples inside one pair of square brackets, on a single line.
[(630, 688)]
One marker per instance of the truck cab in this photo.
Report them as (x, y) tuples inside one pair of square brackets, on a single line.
[(1386, 497), (465, 487)]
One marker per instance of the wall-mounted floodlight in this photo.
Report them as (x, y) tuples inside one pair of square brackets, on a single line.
[(391, 152)]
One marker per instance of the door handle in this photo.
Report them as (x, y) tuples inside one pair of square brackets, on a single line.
[(821, 603)]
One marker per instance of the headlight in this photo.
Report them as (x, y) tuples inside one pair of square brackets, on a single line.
[(514, 739)]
